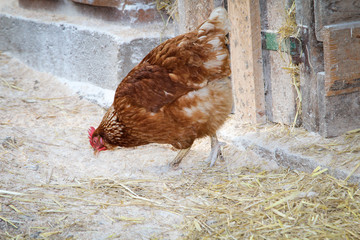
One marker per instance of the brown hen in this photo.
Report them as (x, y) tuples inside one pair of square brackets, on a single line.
[(179, 92)]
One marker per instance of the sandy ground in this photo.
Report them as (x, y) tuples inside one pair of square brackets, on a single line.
[(46, 159), (53, 187)]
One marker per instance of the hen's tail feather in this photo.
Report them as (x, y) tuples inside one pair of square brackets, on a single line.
[(212, 33), (218, 20)]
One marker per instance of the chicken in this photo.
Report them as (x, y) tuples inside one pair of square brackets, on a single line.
[(179, 92)]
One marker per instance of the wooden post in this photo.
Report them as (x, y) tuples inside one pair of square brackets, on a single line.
[(313, 63), (192, 13), (246, 60)]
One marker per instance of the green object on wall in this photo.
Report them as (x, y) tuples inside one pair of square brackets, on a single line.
[(271, 42), (289, 45)]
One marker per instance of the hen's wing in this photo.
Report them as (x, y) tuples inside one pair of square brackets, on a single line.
[(150, 87), (177, 66)]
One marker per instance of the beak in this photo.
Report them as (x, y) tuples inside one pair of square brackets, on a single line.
[(96, 152)]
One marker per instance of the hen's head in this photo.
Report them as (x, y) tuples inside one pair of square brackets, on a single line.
[(96, 141)]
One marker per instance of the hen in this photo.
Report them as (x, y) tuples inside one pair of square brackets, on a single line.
[(179, 92)]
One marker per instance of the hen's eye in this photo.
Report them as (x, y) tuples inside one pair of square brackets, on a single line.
[(94, 141)]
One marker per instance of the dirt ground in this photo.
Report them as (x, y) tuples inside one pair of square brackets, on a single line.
[(45, 155), (53, 187)]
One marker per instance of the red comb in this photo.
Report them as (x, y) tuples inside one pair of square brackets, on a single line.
[(91, 131)]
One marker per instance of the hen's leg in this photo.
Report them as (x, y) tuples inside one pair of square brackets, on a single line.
[(215, 150), (179, 157)]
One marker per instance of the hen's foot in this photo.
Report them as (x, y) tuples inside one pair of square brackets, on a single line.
[(215, 150), (179, 157)]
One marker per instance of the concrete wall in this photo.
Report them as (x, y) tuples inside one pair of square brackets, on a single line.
[(73, 52)]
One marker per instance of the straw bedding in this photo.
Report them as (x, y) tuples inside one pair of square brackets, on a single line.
[(52, 187), (249, 204)]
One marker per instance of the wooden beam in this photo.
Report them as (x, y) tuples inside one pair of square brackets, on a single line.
[(342, 58), (192, 13), (102, 3), (313, 63), (338, 113), (246, 60), (332, 12)]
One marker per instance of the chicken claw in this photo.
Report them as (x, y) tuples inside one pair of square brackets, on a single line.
[(215, 150), (179, 157)]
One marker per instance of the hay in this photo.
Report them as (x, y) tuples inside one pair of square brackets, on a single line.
[(254, 204), (341, 153), (10, 85), (170, 7), (277, 205), (289, 29)]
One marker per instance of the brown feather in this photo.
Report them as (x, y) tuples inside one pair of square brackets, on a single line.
[(179, 92)]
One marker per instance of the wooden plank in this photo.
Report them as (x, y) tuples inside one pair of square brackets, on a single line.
[(333, 12), (280, 95), (121, 4), (313, 62), (246, 60), (339, 113), (342, 58), (192, 13), (102, 3)]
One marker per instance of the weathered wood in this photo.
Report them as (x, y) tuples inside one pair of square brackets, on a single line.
[(328, 115), (280, 94), (312, 64), (113, 3), (246, 60), (342, 58), (192, 13), (333, 12), (339, 113), (102, 3)]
